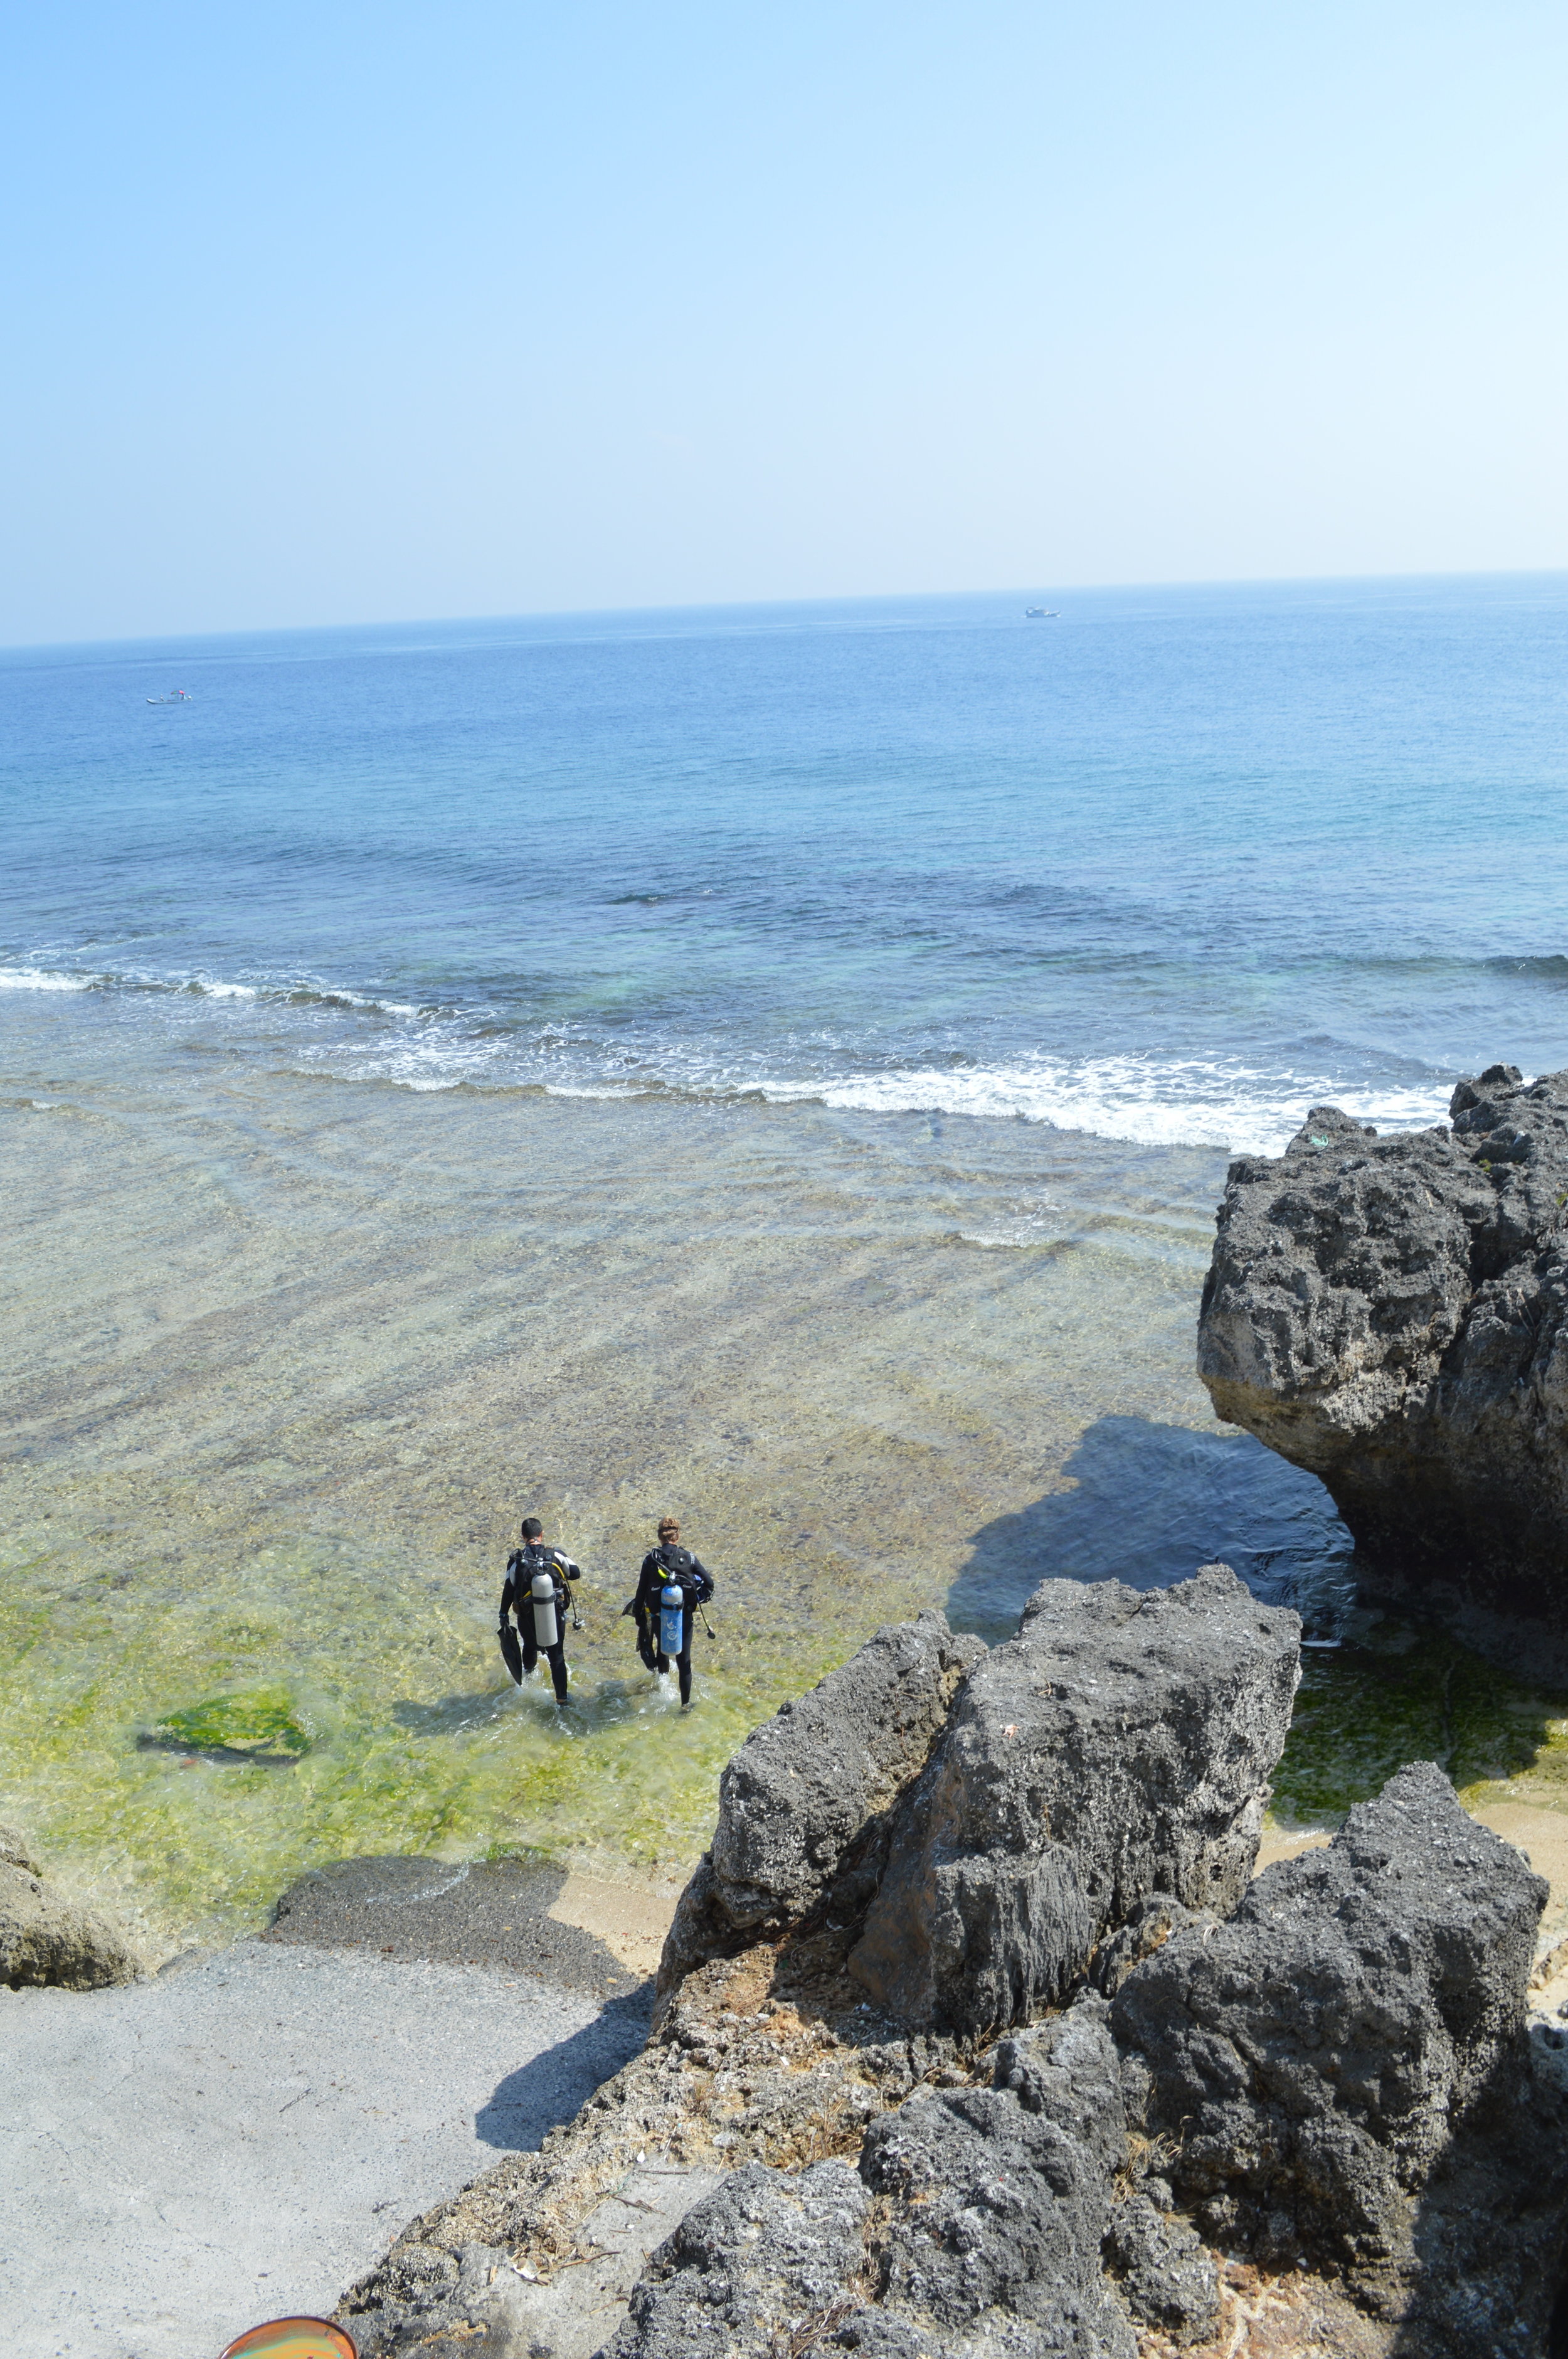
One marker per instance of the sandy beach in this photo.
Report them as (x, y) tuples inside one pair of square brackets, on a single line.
[(242, 2134)]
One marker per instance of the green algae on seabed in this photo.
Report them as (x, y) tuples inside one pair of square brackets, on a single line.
[(289, 1708), (260, 1726), (1398, 1693)]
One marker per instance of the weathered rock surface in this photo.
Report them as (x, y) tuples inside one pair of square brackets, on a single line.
[(811, 1781), (1392, 1314), (1121, 1746), (1001, 2196), (1166, 2277), (1312, 2060), (974, 2223), (46, 1939), (771, 2261)]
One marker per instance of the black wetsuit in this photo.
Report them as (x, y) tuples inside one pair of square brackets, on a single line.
[(661, 1565), (521, 1567)]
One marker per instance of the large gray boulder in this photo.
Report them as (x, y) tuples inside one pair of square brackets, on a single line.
[(1119, 1746), (807, 1784), (1311, 2060), (49, 1940), (1390, 1314)]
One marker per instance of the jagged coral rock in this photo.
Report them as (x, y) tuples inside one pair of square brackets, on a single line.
[(1314, 2055), (1392, 1314), (1335, 2075), (810, 1782), (974, 2225), (1167, 2277), (1000, 2197), (1121, 1746), (770, 2261)]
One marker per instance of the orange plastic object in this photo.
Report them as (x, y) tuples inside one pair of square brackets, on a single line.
[(293, 2338)]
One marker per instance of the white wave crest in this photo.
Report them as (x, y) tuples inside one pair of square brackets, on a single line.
[(1144, 1102), (39, 978), (1148, 1101)]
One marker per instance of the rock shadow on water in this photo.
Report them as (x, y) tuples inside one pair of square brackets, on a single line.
[(452, 1715), (1147, 1504)]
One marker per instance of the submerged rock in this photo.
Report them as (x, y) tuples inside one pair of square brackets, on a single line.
[(1392, 1314), (1119, 1748), (47, 1940), (1313, 2058), (811, 1781), (16, 1851)]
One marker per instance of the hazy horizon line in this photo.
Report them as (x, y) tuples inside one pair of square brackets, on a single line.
[(765, 606)]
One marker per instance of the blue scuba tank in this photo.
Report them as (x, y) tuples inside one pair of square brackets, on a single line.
[(672, 1619)]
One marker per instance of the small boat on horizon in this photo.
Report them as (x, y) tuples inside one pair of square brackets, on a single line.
[(1041, 614), (180, 696)]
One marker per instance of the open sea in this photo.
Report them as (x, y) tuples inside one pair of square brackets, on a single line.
[(778, 1064)]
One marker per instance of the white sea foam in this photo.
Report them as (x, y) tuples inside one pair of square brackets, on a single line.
[(1146, 1101), (38, 978)]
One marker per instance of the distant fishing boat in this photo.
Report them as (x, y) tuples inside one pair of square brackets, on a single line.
[(180, 696), (1041, 614)]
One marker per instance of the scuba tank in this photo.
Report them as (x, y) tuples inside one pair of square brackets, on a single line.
[(542, 1594), (672, 1618)]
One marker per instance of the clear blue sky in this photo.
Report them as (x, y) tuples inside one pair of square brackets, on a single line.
[(351, 312)]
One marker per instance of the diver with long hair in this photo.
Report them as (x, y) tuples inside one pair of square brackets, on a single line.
[(672, 1589)]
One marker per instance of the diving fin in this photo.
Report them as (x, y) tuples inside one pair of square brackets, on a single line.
[(511, 1652)]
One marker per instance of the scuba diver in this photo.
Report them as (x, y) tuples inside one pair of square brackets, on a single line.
[(535, 1590), (671, 1589)]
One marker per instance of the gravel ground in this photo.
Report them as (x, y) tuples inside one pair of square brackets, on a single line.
[(239, 2138)]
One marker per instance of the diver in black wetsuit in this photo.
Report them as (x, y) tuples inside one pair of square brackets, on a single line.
[(521, 1648), (667, 1563)]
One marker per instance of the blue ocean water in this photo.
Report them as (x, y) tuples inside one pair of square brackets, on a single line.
[(1167, 866)]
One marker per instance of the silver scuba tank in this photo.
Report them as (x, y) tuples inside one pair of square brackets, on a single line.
[(672, 1619), (542, 1593)]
